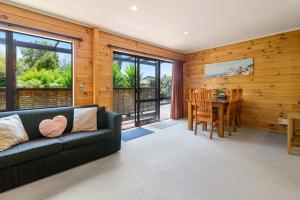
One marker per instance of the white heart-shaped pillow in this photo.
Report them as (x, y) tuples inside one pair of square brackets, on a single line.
[(53, 127)]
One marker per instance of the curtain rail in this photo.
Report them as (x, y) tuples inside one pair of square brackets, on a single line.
[(166, 59), (34, 29)]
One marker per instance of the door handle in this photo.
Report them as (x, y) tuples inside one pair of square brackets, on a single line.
[(138, 90)]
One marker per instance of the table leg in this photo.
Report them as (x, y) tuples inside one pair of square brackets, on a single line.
[(190, 116), (221, 120)]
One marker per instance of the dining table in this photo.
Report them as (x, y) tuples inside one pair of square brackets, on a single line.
[(220, 104)]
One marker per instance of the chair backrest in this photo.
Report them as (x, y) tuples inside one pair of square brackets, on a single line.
[(194, 91), (191, 90), (203, 102), (240, 94), (233, 95), (233, 99)]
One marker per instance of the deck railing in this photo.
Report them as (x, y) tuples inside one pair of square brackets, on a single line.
[(27, 98), (124, 100)]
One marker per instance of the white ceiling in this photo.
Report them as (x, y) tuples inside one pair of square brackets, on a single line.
[(210, 23)]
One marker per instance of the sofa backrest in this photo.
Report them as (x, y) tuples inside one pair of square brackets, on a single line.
[(101, 117), (31, 119)]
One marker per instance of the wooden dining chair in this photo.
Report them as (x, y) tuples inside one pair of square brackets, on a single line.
[(231, 112), (239, 107), (192, 94), (204, 112)]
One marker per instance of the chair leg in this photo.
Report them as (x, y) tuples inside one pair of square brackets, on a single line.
[(290, 136), (205, 126), (233, 124), (211, 130), (196, 127), (238, 120), (228, 125)]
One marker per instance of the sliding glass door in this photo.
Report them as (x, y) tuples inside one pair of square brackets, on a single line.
[(124, 88), (142, 89), (147, 96)]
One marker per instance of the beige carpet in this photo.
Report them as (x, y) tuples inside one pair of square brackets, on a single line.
[(173, 164)]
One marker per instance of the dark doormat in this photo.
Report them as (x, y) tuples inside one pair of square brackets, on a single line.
[(134, 133)]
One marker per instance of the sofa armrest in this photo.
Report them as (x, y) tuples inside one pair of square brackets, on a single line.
[(114, 122)]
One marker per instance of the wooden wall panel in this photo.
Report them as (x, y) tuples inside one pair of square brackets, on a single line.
[(103, 73), (82, 50), (274, 88)]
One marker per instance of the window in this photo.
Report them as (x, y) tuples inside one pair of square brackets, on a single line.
[(38, 72)]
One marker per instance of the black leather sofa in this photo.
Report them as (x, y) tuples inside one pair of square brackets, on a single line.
[(41, 157)]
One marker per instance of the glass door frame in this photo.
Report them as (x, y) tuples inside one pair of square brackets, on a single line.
[(158, 97), (138, 90), (10, 70)]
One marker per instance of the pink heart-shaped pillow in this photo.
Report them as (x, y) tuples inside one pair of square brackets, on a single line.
[(53, 127)]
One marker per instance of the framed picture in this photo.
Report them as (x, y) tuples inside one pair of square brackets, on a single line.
[(243, 67)]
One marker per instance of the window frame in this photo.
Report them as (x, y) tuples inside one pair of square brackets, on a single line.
[(11, 64)]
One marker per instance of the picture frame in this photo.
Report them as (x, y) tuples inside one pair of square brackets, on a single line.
[(241, 67)]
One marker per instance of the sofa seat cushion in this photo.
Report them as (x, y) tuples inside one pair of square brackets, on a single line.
[(73, 140), (30, 150)]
